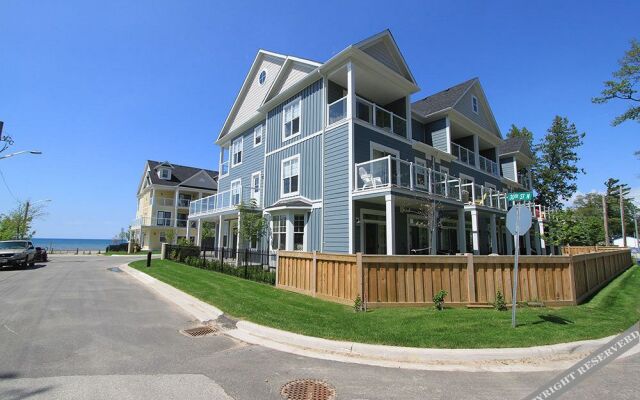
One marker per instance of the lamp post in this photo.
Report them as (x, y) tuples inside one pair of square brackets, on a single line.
[(21, 152)]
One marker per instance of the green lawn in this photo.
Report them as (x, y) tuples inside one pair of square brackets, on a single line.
[(124, 253), (612, 310)]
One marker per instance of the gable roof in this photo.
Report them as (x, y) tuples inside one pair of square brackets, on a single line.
[(515, 145), (181, 174), (383, 48), (443, 100)]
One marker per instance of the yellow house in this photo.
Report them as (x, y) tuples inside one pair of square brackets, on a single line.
[(164, 194)]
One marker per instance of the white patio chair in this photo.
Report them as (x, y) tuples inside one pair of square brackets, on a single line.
[(368, 179)]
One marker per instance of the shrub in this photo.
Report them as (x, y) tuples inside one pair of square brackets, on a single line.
[(500, 304), (357, 303), (438, 299)]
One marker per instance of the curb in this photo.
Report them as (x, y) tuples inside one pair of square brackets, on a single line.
[(524, 359)]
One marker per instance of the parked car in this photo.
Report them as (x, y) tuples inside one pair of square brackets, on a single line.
[(17, 252), (41, 254)]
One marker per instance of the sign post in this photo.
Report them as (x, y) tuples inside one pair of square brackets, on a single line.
[(518, 223)]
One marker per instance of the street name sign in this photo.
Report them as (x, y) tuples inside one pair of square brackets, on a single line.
[(520, 196)]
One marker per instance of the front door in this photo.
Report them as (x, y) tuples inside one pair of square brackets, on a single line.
[(233, 229), (375, 238)]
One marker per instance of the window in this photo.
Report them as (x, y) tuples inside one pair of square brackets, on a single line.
[(163, 237), (279, 230), (474, 104), (236, 192), (298, 232), (255, 186), (444, 170), (236, 151), (421, 172), (224, 161), (164, 218), (165, 174), (182, 220), (290, 175), (184, 200), (262, 77), (291, 120), (257, 135)]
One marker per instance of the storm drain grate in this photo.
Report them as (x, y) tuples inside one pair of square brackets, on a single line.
[(199, 331), (308, 389)]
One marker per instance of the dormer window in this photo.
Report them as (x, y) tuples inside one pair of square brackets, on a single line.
[(474, 104), (164, 173)]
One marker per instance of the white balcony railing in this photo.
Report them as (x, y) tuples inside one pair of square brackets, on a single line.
[(164, 201), (337, 111), (488, 165), (463, 154), (378, 116), (183, 202), (215, 203), (389, 171), (154, 221)]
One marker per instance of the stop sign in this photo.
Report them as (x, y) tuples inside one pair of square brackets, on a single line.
[(519, 219)]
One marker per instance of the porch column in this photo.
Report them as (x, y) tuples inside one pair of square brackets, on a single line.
[(527, 242), (462, 231), (220, 232), (198, 238), (188, 225), (508, 241), (351, 91), (175, 209), (434, 236), (475, 234), (476, 150), (493, 233), (543, 245), (390, 204)]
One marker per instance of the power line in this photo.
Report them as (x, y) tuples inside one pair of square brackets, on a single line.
[(7, 186)]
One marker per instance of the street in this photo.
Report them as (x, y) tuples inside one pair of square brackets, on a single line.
[(74, 329)]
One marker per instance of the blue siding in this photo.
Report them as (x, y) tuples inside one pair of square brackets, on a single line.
[(311, 113), (252, 161), (363, 136), (310, 170), (314, 230), (336, 190)]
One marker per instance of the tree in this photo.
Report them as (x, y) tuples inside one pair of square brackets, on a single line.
[(613, 207), (170, 235), (429, 217), (14, 225), (556, 171), (252, 224), (523, 132), (567, 227), (5, 140), (624, 85)]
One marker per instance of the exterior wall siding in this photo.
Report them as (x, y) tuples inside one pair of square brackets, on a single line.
[(482, 117), (252, 161), (439, 139), (363, 136), (310, 184), (335, 218), (314, 230), (507, 168), (311, 115)]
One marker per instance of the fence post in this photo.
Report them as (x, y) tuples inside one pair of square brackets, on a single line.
[(361, 280), (314, 273), (572, 281), (471, 278), (277, 268)]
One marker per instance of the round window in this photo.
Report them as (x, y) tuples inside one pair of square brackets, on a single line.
[(262, 77)]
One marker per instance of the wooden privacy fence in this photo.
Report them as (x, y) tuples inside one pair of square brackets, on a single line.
[(575, 250), (470, 280)]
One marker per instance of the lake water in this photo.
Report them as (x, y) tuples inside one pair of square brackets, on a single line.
[(72, 244)]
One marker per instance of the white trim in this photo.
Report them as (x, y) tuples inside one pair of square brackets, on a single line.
[(291, 104), (443, 169), (251, 193), (465, 176), (232, 154), (239, 182), (423, 163), (362, 224), (272, 152), (380, 147), (265, 77), (297, 192), (261, 130)]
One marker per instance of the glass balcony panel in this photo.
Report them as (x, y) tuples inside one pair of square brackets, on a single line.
[(337, 110), (373, 174), (399, 126), (364, 110), (383, 119)]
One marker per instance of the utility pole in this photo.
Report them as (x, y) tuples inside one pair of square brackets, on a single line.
[(605, 217), (624, 233), (26, 215), (635, 223)]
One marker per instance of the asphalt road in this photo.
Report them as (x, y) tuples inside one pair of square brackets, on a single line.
[(73, 329)]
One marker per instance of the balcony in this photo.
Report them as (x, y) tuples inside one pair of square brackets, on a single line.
[(368, 112), (488, 166), (154, 221), (164, 202), (523, 179), (184, 203), (215, 203), (388, 172), (463, 154)]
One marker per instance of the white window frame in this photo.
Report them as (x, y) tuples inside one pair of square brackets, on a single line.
[(222, 148), (237, 146), (236, 183), (373, 146), (298, 101), (475, 106), (258, 131), (490, 185), (304, 231), (279, 232), (254, 195), (266, 75), (282, 177), (161, 174), (443, 169), (363, 222)]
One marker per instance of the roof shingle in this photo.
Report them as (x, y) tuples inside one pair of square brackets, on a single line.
[(179, 174), (441, 100)]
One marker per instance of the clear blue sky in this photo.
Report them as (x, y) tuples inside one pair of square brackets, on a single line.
[(101, 87)]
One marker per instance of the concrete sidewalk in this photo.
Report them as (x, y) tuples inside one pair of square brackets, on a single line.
[(529, 359)]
